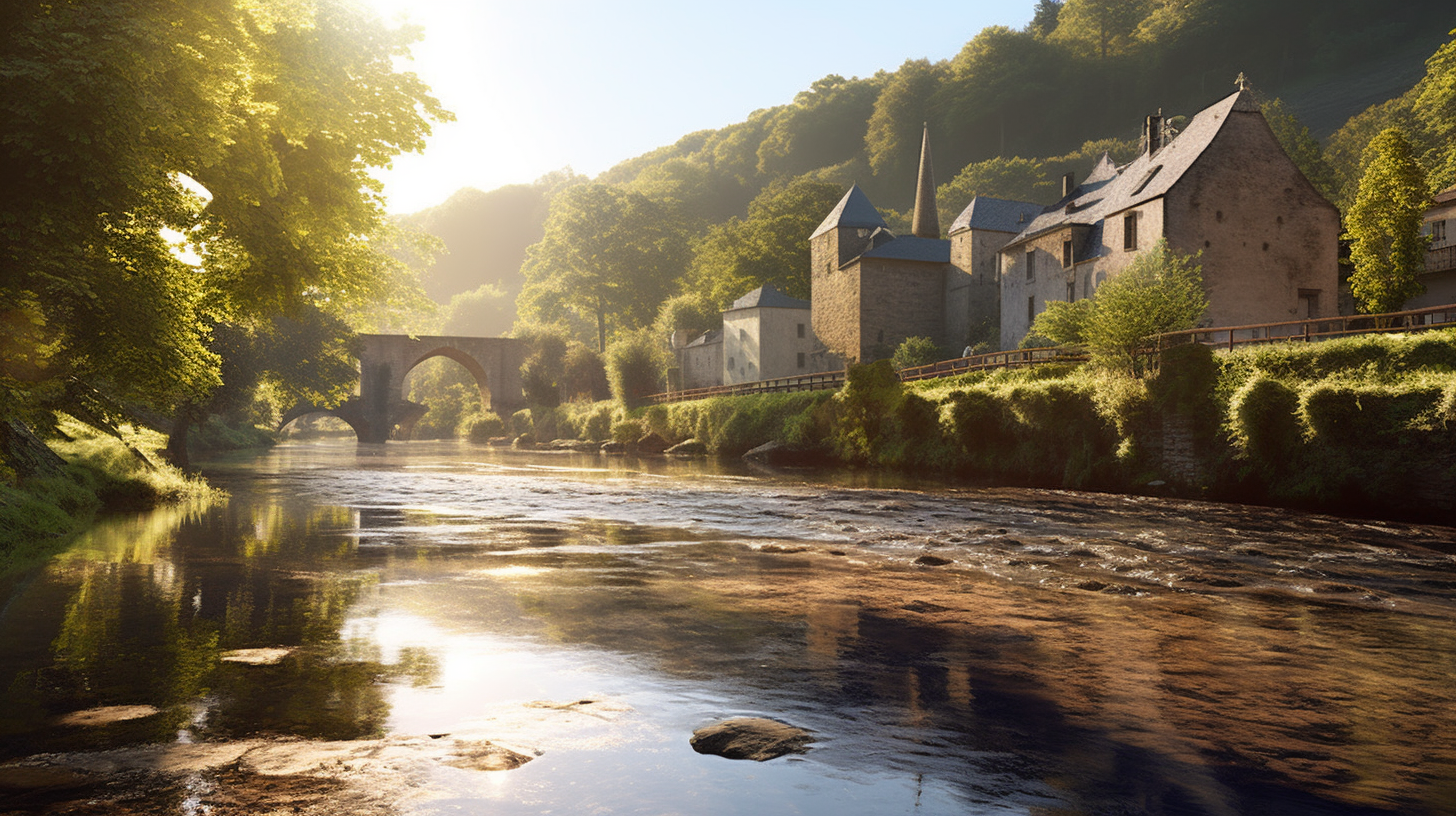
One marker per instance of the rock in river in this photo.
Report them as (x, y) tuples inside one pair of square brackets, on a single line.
[(756, 738)]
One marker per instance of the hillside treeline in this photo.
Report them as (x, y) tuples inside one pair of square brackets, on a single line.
[(1008, 115)]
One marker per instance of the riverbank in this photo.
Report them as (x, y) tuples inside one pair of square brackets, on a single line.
[(102, 473), (1356, 426)]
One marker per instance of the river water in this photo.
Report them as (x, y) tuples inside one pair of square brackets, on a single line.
[(423, 608)]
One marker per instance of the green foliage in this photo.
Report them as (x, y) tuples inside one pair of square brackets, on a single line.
[(1044, 17), (917, 351), (635, 366), (584, 375), (1065, 323), (483, 427), (1100, 27), (895, 128), (608, 259), (770, 246), (692, 312), (1384, 226), (1160, 291), (1264, 414), (544, 365), (485, 311), (449, 392), (731, 426)]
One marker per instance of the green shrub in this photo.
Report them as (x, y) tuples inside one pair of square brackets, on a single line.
[(635, 365), (627, 430), (1264, 415), (917, 351), (484, 427)]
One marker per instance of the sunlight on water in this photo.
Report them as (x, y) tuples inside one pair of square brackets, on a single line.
[(952, 650)]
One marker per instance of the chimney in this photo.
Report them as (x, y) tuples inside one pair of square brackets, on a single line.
[(1069, 183), (1153, 132)]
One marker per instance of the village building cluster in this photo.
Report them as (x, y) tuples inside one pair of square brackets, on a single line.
[(1223, 187)]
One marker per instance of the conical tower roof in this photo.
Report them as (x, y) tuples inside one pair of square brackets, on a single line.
[(854, 210), (926, 223)]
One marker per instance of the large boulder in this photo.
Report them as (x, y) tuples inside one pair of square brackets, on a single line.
[(652, 443), (755, 738), (782, 454), (691, 447)]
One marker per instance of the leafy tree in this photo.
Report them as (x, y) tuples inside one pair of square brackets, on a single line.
[(250, 128), (1434, 106), (895, 127), (635, 364), (485, 311), (608, 255), (825, 125), (1160, 291), (584, 374), (916, 351), (1044, 17), (541, 373), (692, 312), (1015, 178), (770, 246), (1384, 225), (1100, 26), (1064, 322)]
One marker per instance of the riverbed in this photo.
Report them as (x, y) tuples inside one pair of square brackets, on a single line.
[(432, 628)]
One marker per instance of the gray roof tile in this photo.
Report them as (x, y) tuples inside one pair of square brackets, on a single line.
[(996, 214), (854, 210), (910, 248), (767, 297)]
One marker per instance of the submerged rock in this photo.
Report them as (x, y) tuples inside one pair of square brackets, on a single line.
[(780, 454), (483, 755), (932, 561), (105, 715), (613, 448), (755, 738), (691, 447), (268, 656)]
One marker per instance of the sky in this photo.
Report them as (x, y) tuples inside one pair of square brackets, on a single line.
[(540, 85)]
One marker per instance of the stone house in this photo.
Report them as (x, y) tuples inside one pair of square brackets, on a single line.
[(1223, 187), (766, 336), (1440, 275), (700, 362)]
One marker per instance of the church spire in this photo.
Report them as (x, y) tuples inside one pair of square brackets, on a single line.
[(926, 223)]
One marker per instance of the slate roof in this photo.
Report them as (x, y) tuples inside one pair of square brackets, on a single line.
[(767, 297), (996, 214), (911, 248), (854, 210), (1108, 190), (707, 339)]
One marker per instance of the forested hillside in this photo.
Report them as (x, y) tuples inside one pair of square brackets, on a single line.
[(1007, 116)]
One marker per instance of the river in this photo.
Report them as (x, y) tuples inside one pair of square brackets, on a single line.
[(433, 628)]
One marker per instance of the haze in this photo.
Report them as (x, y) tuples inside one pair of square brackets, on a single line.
[(539, 87)]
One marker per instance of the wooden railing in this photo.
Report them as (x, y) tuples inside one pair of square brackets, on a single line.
[(807, 382), (996, 359), (1228, 337), (1323, 328)]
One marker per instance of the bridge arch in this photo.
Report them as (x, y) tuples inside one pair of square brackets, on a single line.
[(381, 412)]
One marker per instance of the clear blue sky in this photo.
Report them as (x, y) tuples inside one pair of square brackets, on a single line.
[(542, 85)]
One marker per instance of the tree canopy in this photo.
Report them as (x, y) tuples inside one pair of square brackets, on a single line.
[(248, 128), (1384, 225)]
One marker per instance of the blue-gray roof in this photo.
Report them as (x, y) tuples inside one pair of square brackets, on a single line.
[(996, 214), (910, 248), (767, 297), (708, 338), (854, 210)]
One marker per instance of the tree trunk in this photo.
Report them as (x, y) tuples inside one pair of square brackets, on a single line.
[(176, 451), (25, 453)]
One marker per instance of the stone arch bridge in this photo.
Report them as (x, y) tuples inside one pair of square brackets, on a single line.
[(380, 411)]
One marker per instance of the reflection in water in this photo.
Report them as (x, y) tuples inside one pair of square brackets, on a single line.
[(1061, 653)]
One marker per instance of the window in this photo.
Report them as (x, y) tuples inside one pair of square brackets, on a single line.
[(730, 364), (1030, 309), (1309, 303), (1129, 231), (801, 356), (1067, 253), (801, 330), (1438, 233), (1071, 290), (1030, 267)]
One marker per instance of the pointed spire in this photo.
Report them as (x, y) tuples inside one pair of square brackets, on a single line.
[(926, 223)]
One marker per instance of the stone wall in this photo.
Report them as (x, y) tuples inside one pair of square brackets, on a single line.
[(899, 299), (973, 285)]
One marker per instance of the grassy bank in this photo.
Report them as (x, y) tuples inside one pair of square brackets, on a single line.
[(1358, 425), (102, 473)]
